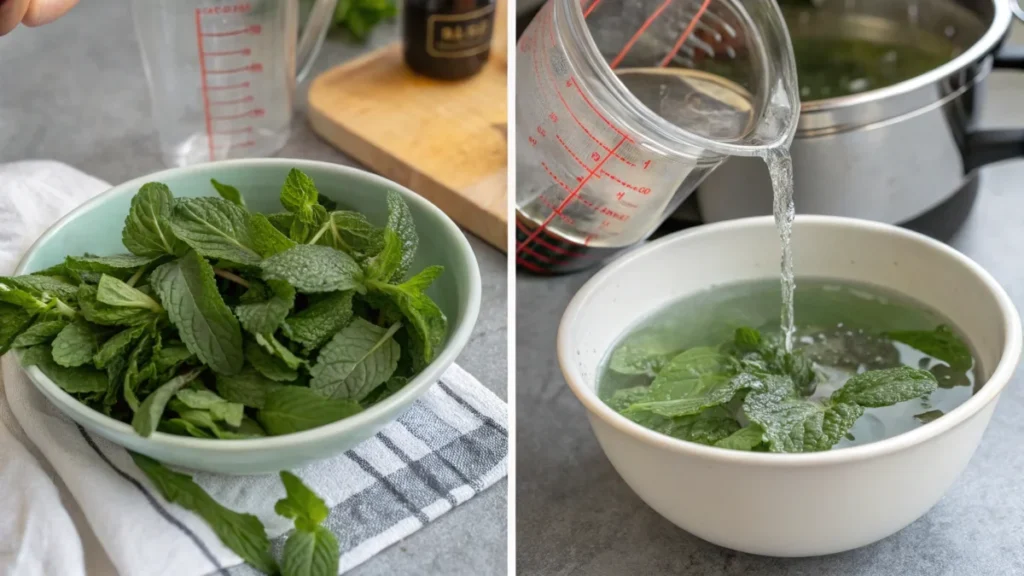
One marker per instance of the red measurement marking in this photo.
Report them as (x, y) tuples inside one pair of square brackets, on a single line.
[(596, 111), (569, 198), (202, 83), (573, 154), (636, 36), (544, 244), (255, 30), (647, 164), (591, 8), (555, 178), (529, 265), (254, 67), (228, 87), (232, 9), (247, 129), (686, 33), (532, 141), (254, 113), (242, 52), (537, 255), (541, 131), (242, 100), (620, 181)]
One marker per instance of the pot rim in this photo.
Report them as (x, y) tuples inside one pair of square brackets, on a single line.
[(996, 32)]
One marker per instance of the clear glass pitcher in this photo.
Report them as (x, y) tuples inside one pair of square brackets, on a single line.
[(222, 74), (624, 106)]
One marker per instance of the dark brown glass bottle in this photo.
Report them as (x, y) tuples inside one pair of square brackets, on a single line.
[(447, 39)]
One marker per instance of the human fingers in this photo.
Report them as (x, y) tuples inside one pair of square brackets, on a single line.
[(45, 11), (11, 13)]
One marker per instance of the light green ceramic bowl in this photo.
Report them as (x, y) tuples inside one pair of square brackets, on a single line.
[(95, 227)]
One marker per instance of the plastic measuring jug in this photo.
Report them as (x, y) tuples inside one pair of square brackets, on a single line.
[(624, 106), (222, 74)]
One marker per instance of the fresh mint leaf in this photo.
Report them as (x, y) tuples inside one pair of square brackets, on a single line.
[(229, 193), (281, 221), (428, 322), (941, 343), (879, 388), (182, 427), (81, 380), (706, 427), (299, 195), (352, 233), (401, 222), (242, 533), (152, 408), (839, 418), (114, 292), (13, 321), (268, 364), (306, 231), (291, 409), (138, 370), (99, 313), (116, 265), (300, 503), (209, 425), (748, 340), (689, 394), (117, 345), (793, 424), (216, 229), (314, 269), (266, 239), (206, 325), (248, 387), (312, 552), (315, 325), (171, 357), (359, 358), (146, 231), (626, 397), (948, 377), (384, 265), (45, 288), (219, 408), (38, 333), (279, 350), (643, 354), (11, 294), (747, 438), (75, 345), (265, 306)]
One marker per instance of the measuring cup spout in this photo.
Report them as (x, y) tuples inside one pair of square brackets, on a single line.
[(313, 35)]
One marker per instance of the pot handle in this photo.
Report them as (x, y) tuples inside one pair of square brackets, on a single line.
[(988, 146)]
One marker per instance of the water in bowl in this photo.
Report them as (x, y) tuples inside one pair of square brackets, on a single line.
[(839, 327)]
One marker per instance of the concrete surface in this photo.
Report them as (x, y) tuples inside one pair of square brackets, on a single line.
[(575, 515), (74, 91)]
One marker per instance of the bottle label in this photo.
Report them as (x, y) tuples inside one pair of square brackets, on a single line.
[(460, 35)]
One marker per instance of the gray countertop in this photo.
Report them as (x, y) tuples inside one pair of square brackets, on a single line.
[(575, 515), (74, 91)]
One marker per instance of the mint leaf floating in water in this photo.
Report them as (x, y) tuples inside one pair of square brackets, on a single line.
[(749, 394), (206, 325), (242, 533), (644, 353), (929, 416), (941, 343), (879, 388)]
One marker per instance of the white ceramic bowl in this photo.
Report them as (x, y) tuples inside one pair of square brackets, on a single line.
[(791, 504)]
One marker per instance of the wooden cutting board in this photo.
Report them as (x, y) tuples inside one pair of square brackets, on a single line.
[(444, 140)]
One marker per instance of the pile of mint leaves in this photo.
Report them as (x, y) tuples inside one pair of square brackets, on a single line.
[(750, 394), (222, 323)]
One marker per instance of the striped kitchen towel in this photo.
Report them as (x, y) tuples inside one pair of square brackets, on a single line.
[(450, 445)]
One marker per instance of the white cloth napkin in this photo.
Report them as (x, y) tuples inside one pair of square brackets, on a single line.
[(452, 444)]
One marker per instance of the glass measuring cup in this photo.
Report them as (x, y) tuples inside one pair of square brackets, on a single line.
[(222, 74), (624, 106)]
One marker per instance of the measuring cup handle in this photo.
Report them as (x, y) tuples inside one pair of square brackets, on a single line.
[(313, 35)]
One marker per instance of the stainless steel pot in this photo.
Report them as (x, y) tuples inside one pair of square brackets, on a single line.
[(894, 153)]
